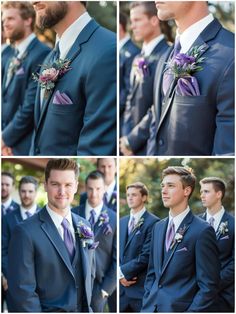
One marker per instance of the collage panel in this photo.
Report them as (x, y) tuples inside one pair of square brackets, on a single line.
[(59, 234), (176, 235)]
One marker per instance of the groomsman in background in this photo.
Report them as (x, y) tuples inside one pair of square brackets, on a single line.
[(135, 237), (7, 185), (128, 50), (18, 87), (183, 271), (7, 52), (212, 193), (103, 222), (146, 28), (50, 254), (27, 191), (184, 101)]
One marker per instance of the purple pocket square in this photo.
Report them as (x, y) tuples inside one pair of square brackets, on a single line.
[(184, 249), (20, 71), (225, 238), (61, 99), (138, 232)]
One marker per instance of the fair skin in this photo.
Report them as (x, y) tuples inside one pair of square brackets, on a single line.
[(108, 167), (17, 30), (210, 198), (61, 187), (75, 10), (95, 191), (122, 32), (6, 187), (136, 202), (174, 194), (185, 13), (28, 193)]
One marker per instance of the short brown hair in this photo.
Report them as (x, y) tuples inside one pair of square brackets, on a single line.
[(61, 164), (140, 186), (149, 7), (186, 175), (25, 7), (218, 184)]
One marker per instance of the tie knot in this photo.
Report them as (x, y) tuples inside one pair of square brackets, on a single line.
[(92, 212), (65, 223), (177, 46), (28, 214), (211, 221)]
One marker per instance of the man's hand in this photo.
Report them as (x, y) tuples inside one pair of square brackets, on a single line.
[(6, 151), (123, 147), (4, 283), (127, 283)]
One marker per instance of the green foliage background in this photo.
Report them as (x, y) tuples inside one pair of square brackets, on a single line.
[(149, 172)]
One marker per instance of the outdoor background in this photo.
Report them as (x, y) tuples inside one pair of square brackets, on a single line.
[(149, 171)]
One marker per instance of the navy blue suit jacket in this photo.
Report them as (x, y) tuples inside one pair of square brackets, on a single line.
[(12, 207), (140, 97), (187, 280), (225, 244), (87, 126), (105, 256), (6, 54), (18, 100), (127, 54), (9, 222), (41, 277), (134, 254), (208, 118)]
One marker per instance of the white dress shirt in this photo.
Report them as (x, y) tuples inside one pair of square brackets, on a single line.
[(177, 220), (136, 216), (217, 217), (6, 205), (148, 48), (97, 210), (23, 211), (110, 189), (123, 41)]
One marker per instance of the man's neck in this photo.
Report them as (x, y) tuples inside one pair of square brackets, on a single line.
[(148, 39), (175, 211), (18, 42), (136, 210), (213, 210), (4, 200), (191, 18)]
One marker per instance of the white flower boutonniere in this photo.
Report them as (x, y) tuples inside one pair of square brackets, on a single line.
[(178, 236), (223, 228)]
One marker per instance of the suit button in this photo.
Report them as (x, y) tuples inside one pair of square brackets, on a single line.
[(161, 142), (37, 151), (160, 286)]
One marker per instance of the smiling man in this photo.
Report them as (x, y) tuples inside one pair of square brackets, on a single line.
[(183, 272), (49, 269)]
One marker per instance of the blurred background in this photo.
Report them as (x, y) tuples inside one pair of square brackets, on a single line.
[(149, 171)]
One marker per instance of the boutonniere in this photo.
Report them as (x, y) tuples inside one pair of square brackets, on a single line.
[(113, 197), (86, 235), (178, 236), (182, 66), (140, 66), (223, 228), (139, 224), (16, 63), (51, 74), (104, 221)]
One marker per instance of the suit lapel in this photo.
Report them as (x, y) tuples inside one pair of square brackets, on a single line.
[(18, 216), (123, 235), (223, 219), (52, 233), (161, 239)]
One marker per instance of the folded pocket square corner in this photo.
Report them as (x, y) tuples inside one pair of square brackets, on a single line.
[(138, 232), (225, 238), (20, 71), (61, 99), (183, 249)]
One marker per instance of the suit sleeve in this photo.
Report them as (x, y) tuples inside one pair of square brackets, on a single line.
[(21, 274), (98, 135), (136, 265), (126, 85), (23, 122), (5, 244), (207, 271), (224, 135)]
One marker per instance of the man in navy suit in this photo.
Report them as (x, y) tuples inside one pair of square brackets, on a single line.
[(27, 191), (205, 98), (135, 236), (51, 254), (103, 221), (108, 167), (183, 271), (146, 27), (7, 52), (7, 184), (18, 87), (127, 51), (212, 193), (77, 113)]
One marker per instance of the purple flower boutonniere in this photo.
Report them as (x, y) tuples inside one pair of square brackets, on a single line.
[(140, 68), (178, 236), (51, 74), (86, 235), (182, 66), (104, 221)]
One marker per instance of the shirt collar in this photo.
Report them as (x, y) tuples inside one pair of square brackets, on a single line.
[(24, 44), (110, 189), (71, 33), (137, 215), (57, 219), (97, 209), (217, 217), (7, 203), (23, 211), (177, 220), (148, 48), (188, 37), (123, 41)]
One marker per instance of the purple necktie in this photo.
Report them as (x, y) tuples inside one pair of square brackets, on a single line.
[(211, 221), (168, 77), (92, 217), (170, 234), (68, 238), (131, 225), (105, 200), (28, 214)]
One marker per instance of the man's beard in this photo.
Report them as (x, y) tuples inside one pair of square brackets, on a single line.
[(17, 35), (53, 15)]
